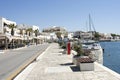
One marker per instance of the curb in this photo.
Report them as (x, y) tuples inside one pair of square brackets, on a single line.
[(28, 69), (40, 56), (1, 51)]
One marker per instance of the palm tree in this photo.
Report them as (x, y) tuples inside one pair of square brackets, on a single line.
[(36, 34), (21, 31), (58, 35), (97, 36), (12, 26), (4, 30), (66, 35), (29, 30)]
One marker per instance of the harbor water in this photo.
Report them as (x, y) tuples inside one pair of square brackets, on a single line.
[(111, 55)]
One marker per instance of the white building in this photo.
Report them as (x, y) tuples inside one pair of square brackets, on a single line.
[(83, 35), (24, 27), (4, 25), (70, 35), (54, 30), (5, 31), (35, 27), (32, 38), (53, 36), (108, 36), (20, 33)]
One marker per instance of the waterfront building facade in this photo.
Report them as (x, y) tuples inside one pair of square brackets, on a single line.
[(55, 29), (83, 35), (7, 28), (12, 34), (4, 24), (31, 34), (70, 35)]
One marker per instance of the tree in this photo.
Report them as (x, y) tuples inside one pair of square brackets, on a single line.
[(78, 49), (36, 32), (97, 36), (58, 34), (12, 26), (66, 35), (29, 31), (21, 31), (113, 35), (4, 30), (12, 31)]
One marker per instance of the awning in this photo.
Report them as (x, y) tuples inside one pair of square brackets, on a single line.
[(17, 37), (3, 36)]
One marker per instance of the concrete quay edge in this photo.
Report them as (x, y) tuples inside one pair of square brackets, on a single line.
[(108, 70)]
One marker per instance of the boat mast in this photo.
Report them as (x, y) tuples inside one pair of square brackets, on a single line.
[(91, 26), (89, 23)]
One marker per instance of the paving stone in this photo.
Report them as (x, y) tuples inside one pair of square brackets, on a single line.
[(54, 65)]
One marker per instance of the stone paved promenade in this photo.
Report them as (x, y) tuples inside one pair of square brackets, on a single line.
[(54, 65)]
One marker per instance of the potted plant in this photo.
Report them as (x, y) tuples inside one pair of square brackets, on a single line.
[(77, 48), (82, 58), (86, 63)]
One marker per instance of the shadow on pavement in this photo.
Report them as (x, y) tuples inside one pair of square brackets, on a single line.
[(66, 64), (75, 68)]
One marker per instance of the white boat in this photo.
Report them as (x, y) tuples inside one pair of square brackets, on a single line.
[(90, 44), (96, 49)]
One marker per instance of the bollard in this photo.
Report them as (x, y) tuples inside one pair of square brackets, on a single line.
[(68, 48)]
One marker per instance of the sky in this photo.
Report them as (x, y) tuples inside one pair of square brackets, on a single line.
[(71, 14)]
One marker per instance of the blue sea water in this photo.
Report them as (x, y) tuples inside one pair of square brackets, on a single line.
[(111, 55)]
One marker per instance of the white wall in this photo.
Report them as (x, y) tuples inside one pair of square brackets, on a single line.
[(70, 35), (98, 55), (8, 21), (35, 27), (2, 20), (1, 25)]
